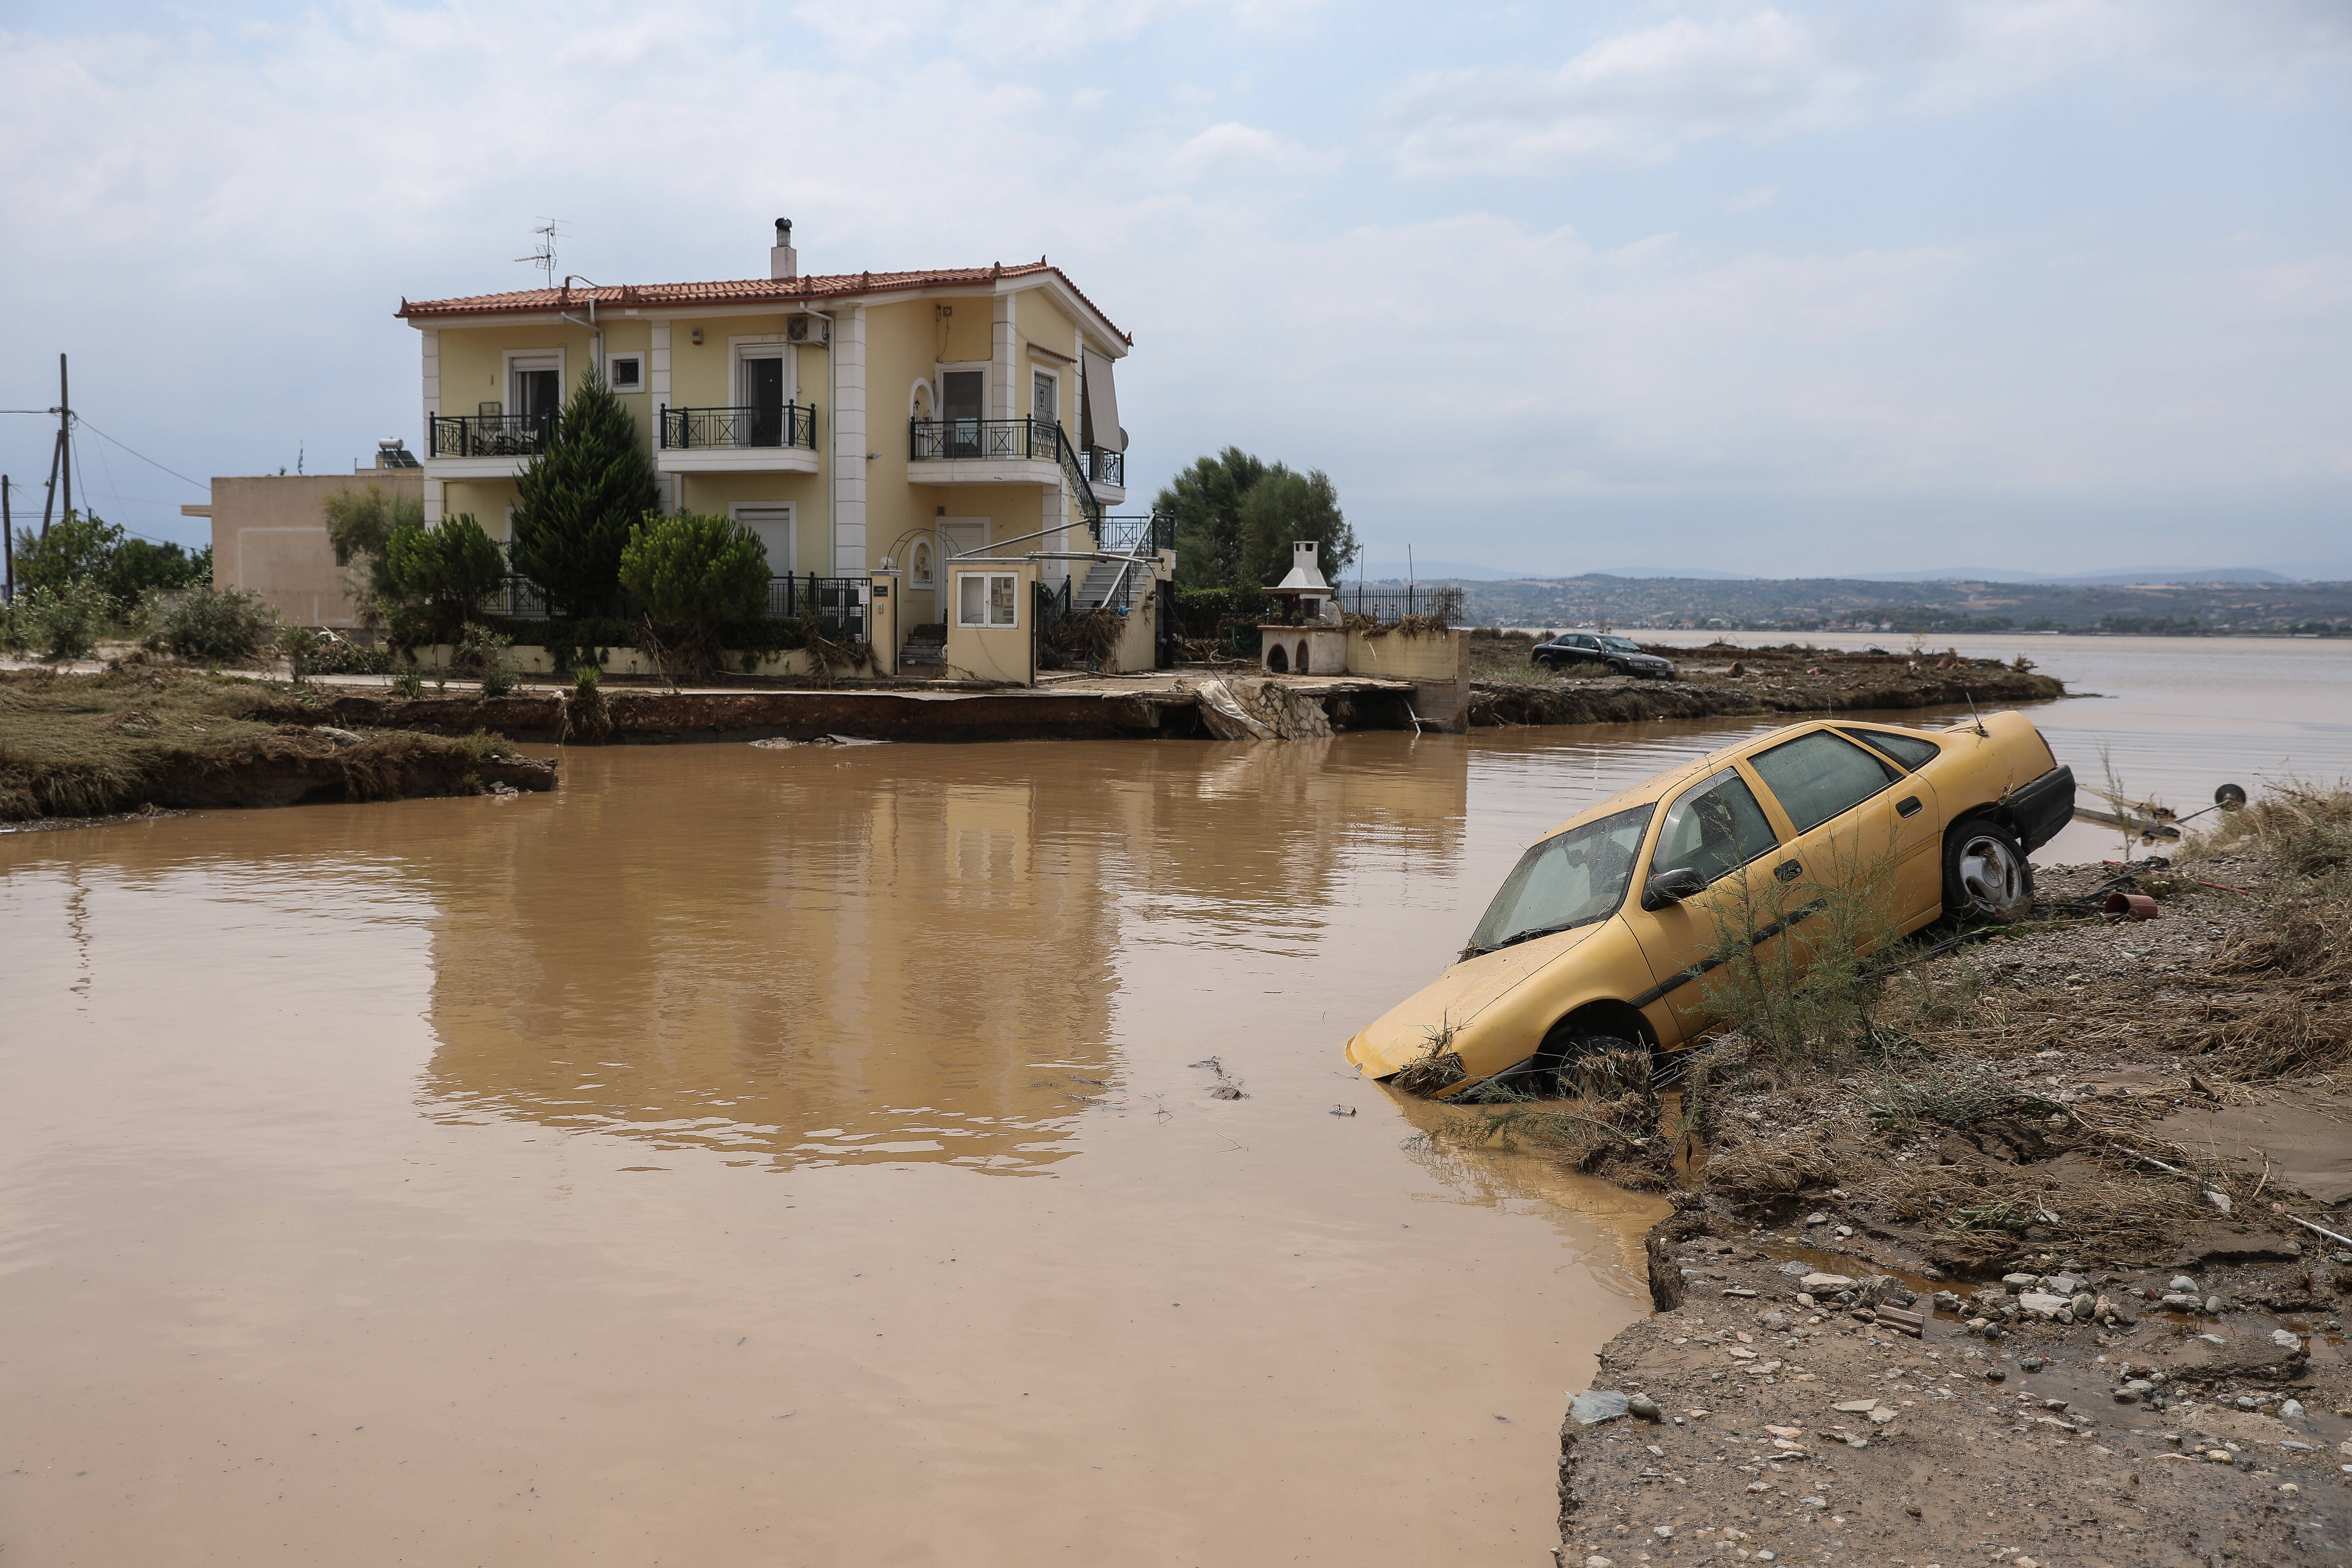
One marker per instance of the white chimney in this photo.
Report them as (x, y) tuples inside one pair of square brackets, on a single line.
[(783, 262)]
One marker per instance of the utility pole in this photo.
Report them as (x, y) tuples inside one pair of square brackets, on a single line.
[(7, 546), (49, 494), (65, 433), (61, 455)]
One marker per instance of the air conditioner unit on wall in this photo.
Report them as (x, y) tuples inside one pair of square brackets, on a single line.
[(807, 329)]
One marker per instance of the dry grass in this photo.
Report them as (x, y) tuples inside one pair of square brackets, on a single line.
[(1977, 1214), (1437, 1067), (2285, 1008), (92, 745), (1757, 1175)]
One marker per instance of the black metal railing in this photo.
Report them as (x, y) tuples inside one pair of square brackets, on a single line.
[(1037, 439), (843, 605), (1049, 606), (782, 425), (521, 599), (1105, 466), (488, 435), (1131, 534), (1396, 603)]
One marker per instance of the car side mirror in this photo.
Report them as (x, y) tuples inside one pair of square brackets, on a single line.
[(1671, 886)]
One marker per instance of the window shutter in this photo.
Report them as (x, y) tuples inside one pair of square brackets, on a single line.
[(1102, 402)]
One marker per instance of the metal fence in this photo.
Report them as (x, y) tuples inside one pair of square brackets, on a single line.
[(784, 424), (1389, 604), (843, 605), (488, 435), (1131, 535), (1105, 466), (990, 438)]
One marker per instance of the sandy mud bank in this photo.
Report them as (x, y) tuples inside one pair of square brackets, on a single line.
[(1924, 1297)]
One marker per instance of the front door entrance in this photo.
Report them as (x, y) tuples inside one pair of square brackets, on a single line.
[(763, 402), (962, 536), (960, 393)]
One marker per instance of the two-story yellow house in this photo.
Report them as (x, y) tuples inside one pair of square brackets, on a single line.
[(858, 422)]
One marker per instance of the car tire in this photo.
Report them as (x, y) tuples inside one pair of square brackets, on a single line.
[(1616, 668), (1986, 874), (1566, 1048)]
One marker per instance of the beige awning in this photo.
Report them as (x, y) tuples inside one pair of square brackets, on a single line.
[(1102, 402)]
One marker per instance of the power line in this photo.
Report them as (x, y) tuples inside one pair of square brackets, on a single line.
[(84, 421)]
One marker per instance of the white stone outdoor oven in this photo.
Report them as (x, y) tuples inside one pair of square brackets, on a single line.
[(1313, 640)]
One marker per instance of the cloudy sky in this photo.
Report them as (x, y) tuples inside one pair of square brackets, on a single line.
[(1792, 290)]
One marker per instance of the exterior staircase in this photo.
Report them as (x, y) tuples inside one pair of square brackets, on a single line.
[(925, 646), (1102, 579)]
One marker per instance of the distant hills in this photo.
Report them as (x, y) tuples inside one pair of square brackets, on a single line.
[(2252, 601), (1466, 572)]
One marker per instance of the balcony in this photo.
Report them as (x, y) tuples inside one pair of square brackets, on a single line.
[(1105, 466), (985, 440), (761, 438), (485, 446)]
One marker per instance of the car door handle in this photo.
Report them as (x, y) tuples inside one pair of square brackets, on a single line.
[(1789, 870), (1908, 807)]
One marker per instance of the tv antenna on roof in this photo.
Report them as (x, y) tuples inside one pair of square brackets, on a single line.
[(544, 257)]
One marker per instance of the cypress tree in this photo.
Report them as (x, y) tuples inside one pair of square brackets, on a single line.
[(580, 495)]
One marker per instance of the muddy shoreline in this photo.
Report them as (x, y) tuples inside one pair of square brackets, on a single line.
[(1934, 1306), (1162, 711)]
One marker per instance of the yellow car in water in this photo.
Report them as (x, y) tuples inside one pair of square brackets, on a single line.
[(1602, 935)]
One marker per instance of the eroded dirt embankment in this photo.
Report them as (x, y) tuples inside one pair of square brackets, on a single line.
[(89, 746), (1824, 685), (1922, 1299)]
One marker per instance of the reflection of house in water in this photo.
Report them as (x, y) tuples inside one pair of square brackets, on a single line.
[(823, 954)]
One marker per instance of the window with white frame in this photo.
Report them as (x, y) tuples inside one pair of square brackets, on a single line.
[(988, 599), (922, 565), (625, 373)]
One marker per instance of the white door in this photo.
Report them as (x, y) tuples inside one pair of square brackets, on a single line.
[(962, 535), (773, 524)]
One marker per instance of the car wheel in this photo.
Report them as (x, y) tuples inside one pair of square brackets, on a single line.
[(1615, 667), (1595, 1066), (1986, 874)]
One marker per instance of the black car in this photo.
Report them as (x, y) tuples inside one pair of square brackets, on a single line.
[(1622, 655)]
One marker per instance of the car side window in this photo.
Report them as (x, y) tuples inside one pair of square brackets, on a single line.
[(1913, 751), (1713, 828), (1816, 776)]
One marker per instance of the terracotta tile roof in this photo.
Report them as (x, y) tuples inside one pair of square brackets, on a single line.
[(739, 290)]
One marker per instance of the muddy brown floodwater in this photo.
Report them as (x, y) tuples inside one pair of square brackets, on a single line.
[(782, 1156), (789, 1156)]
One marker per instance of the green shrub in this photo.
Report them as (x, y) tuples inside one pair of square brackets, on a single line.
[(408, 683), (361, 525), (337, 656), (223, 624), (447, 572), (299, 643), (76, 548), (139, 566), (694, 569), (483, 653), (67, 622), (1212, 612)]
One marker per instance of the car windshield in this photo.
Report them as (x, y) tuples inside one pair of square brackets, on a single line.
[(1621, 645), (1573, 879)]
